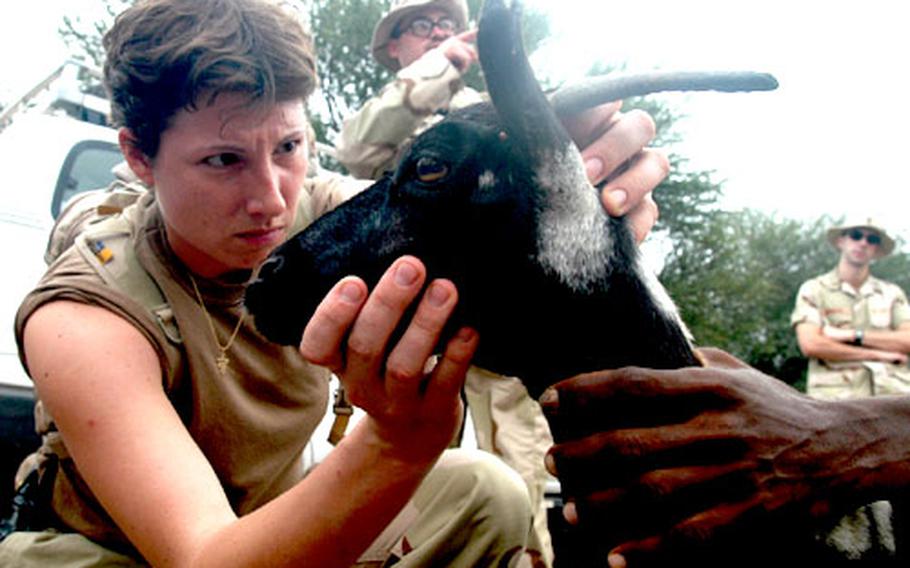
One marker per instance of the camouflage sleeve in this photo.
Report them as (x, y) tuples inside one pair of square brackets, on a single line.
[(370, 139), (807, 305), (326, 191)]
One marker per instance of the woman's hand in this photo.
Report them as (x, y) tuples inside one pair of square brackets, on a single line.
[(413, 410)]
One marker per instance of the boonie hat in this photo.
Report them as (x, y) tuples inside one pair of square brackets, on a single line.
[(884, 249), (400, 10)]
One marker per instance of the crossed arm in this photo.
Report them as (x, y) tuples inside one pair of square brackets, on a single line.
[(835, 344)]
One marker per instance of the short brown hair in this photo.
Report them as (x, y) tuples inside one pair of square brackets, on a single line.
[(163, 55)]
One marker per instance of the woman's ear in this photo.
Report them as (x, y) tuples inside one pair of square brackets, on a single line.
[(135, 157)]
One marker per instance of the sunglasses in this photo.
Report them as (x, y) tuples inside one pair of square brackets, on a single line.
[(423, 27), (871, 238)]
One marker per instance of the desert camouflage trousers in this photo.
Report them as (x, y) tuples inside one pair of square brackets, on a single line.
[(471, 510), (510, 424)]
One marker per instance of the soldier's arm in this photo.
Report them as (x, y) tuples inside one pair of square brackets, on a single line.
[(327, 191), (815, 341), (888, 339), (370, 138), (895, 340)]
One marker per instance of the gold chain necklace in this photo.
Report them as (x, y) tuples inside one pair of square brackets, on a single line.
[(222, 361)]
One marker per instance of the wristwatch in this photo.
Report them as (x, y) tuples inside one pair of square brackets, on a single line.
[(858, 337)]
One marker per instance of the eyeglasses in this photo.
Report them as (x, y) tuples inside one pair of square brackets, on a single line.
[(871, 238), (423, 27)]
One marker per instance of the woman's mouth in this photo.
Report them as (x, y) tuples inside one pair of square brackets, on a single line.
[(263, 237)]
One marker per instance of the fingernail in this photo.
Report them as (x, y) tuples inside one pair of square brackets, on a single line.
[(593, 168), (618, 198), (616, 560), (550, 463), (351, 292), (405, 274), (549, 397), (465, 334), (438, 295)]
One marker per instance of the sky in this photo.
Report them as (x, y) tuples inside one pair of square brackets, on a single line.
[(832, 139)]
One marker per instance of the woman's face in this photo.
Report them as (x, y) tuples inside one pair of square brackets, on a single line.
[(227, 179)]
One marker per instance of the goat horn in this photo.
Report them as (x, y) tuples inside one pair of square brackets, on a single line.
[(513, 89), (601, 89)]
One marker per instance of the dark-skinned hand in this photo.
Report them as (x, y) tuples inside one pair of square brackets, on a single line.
[(697, 464)]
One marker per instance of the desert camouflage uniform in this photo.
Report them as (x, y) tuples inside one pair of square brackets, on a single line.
[(418, 98), (507, 421), (866, 533), (826, 300)]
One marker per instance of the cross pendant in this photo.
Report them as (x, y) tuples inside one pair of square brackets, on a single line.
[(222, 362)]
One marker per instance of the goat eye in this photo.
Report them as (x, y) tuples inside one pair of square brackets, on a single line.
[(431, 169)]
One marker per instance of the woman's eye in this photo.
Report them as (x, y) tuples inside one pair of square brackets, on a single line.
[(288, 147), (431, 169), (222, 160)]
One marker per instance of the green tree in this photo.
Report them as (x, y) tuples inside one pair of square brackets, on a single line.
[(83, 38), (348, 74), (895, 268), (735, 280)]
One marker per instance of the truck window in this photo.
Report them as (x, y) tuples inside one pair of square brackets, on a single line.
[(89, 165)]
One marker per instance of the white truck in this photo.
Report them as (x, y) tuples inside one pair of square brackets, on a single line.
[(53, 144)]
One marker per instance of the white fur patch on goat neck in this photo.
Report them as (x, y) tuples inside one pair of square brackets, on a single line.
[(572, 240)]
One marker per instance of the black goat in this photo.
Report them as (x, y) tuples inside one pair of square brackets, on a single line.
[(496, 199)]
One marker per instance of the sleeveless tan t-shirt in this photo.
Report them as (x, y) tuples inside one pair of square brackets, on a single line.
[(252, 423)]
